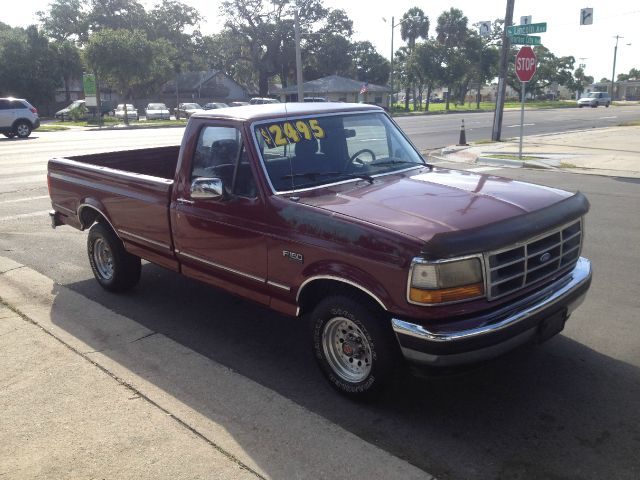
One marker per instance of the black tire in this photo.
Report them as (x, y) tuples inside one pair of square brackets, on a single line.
[(354, 346), (607, 105), (22, 129), (9, 134), (115, 269)]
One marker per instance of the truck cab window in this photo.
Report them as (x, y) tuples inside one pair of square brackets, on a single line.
[(220, 153)]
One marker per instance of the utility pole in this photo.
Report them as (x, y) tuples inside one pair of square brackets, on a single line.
[(298, 56), (502, 80), (391, 72), (613, 75)]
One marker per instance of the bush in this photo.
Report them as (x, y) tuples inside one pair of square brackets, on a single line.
[(78, 113)]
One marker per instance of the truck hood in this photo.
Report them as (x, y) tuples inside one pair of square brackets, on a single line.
[(423, 203)]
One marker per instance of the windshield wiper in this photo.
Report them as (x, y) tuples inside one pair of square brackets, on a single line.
[(395, 161), (314, 175), (390, 161)]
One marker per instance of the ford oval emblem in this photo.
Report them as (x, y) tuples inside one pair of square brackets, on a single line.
[(545, 257)]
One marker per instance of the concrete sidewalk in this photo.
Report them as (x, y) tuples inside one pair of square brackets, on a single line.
[(613, 151), (87, 393)]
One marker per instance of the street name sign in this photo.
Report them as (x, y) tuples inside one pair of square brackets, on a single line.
[(525, 64), (525, 40), (527, 29)]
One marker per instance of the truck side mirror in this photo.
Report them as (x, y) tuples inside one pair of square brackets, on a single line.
[(208, 189)]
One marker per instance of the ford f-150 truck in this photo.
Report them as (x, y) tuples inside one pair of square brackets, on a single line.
[(327, 212)]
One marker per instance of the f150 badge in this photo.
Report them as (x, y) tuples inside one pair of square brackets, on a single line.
[(296, 257)]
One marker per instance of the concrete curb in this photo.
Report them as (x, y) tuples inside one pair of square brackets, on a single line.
[(252, 427)]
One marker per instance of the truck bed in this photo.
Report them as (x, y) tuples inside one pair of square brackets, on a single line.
[(130, 189), (156, 162)]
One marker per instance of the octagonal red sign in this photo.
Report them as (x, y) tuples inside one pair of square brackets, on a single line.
[(525, 64)]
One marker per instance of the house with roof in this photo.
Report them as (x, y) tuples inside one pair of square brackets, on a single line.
[(202, 87), (335, 88)]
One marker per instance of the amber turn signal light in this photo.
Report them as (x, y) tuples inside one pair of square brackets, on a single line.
[(446, 294)]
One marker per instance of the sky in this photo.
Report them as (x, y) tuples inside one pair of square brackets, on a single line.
[(592, 45)]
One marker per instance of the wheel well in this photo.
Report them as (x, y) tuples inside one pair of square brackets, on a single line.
[(316, 290), (23, 120), (89, 216)]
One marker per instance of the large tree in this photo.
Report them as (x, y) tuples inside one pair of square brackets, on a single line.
[(127, 60), (414, 24), (452, 34), (65, 19), (368, 65), (26, 66), (265, 29)]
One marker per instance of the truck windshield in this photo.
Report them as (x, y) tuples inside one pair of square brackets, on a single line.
[(308, 152)]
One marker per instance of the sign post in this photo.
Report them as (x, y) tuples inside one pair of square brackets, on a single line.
[(525, 69)]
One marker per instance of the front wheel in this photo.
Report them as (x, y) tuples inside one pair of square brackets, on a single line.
[(115, 269), (354, 346)]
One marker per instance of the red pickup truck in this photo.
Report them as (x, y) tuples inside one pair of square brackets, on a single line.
[(327, 212)]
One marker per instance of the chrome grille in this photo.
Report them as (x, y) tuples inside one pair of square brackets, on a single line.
[(515, 267)]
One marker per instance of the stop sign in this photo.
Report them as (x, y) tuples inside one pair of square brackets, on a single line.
[(525, 64)]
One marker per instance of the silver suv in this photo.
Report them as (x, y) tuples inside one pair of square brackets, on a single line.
[(593, 99), (17, 117)]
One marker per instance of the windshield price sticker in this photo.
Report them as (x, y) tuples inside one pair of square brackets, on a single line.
[(279, 134)]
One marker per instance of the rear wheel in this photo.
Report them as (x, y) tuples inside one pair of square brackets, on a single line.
[(353, 345), (115, 269), (22, 129), (9, 134)]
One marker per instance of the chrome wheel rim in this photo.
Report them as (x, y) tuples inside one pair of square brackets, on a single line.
[(346, 349), (103, 259), (22, 130)]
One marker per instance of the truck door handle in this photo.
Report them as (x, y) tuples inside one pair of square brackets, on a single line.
[(184, 201)]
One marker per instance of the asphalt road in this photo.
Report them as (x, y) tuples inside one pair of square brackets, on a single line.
[(564, 409), (436, 131)]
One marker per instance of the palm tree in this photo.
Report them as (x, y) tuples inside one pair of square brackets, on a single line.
[(414, 24)]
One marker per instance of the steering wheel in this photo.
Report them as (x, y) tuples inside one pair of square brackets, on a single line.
[(354, 158)]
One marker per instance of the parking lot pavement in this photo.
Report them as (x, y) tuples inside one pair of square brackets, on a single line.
[(88, 393), (613, 151)]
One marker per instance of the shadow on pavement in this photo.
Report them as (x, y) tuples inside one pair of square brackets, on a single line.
[(560, 410)]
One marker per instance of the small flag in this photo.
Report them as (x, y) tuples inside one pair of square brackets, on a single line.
[(364, 88)]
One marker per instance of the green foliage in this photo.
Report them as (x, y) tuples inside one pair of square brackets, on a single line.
[(66, 19), (368, 65), (26, 66), (414, 24), (78, 113), (128, 61)]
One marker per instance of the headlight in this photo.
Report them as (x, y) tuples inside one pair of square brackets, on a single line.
[(445, 282)]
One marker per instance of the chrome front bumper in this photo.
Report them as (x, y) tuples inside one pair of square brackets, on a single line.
[(500, 331)]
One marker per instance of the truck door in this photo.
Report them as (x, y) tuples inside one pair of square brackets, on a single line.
[(217, 218)]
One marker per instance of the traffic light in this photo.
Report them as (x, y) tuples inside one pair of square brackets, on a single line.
[(586, 16)]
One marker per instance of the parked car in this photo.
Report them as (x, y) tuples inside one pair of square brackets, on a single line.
[(132, 113), (238, 104), (65, 114), (17, 117), (157, 111), (214, 105), (185, 110), (261, 100), (593, 99), (318, 211)]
